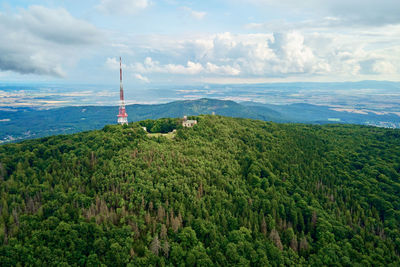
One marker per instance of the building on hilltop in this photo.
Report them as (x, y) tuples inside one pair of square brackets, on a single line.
[(188, 123)]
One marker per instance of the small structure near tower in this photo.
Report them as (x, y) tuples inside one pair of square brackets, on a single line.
[(122, 115), (188, 123)]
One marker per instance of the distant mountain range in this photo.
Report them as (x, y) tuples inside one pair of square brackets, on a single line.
[(24, 123)]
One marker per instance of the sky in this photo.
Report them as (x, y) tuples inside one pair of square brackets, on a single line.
[(199, 42)]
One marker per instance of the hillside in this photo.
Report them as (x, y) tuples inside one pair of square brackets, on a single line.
[(227, 192), (30, 123), (24, 123)]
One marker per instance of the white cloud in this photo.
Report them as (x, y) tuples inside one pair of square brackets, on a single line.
[(190, 68), (384, 67), (232, 55), (150, 66), (264, 54), (293, 56), (268, 55), (224, 70), (113, 63), (124, 7), (38, 39), (194, 14), (141, 78), (377, 66)]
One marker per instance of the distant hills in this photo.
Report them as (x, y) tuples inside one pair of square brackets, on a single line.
[(24, 123), (307, 113)]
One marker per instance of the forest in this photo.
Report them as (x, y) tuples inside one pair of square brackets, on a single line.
[(226, 192)]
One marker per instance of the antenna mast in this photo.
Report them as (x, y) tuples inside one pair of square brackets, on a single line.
[(122, 115)]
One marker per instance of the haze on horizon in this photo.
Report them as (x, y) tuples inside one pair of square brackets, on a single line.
[(191, 42)]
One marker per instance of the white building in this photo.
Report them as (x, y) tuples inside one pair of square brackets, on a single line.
[(188, 123)]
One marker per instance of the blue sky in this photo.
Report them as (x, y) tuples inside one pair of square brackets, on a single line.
[(192, 42)]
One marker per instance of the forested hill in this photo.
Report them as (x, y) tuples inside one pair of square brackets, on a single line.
[(226, 192), (25, 123), (17, 124)]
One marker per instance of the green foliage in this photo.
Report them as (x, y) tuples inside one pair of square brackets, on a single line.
[(31, 123), (227, 192), (164, 125)]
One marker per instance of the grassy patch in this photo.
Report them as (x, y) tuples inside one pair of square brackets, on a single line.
[(169, 135)]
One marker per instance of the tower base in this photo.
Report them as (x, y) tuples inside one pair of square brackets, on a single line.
[(123, 120)]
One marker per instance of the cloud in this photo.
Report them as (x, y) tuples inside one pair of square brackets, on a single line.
[(122, 7), (194, 14), (57, 25), (35, 64), (366, 12), (113, 63), (384, 67), (38, 39), (377, 66), (293, 56), (150, 66), (141, 78), (268, 55), (340, 12), (190, 68), (233, 55), (264, 54), (224, 70)]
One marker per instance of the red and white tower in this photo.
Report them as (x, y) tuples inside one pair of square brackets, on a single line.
[(122, 115)]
